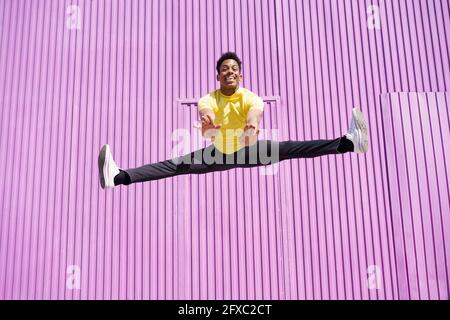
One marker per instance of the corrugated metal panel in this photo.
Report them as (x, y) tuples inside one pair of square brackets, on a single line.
[(230, 249), (417, 128), (311, 231)]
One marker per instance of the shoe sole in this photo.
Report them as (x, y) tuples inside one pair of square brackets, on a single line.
[(361, 124), (101, 163)]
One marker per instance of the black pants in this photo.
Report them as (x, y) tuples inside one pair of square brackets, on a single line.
[(209, 159)]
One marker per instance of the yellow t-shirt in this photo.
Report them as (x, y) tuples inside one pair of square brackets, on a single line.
[(231, 113)]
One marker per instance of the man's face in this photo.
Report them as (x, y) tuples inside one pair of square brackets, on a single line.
[(229, 75)]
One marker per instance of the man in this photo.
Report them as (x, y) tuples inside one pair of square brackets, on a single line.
[(230, 119)]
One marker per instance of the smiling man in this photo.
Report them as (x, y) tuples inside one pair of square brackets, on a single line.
[(230, 118), (230, 111)]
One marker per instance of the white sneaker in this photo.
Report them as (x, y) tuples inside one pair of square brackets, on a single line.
[(108, 169), (357, 133)]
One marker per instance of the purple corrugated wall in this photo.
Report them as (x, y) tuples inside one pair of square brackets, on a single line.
[(78, 74), (417, 131)]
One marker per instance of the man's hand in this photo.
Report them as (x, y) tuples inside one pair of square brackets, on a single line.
[(209, 129), (250, 135), (251, 129)]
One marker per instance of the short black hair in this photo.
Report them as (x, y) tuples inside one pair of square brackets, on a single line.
[(226, 56)]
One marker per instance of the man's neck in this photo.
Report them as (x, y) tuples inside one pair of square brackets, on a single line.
[(229, 92)]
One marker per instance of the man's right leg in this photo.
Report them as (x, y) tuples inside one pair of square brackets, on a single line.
[(205, 160)]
